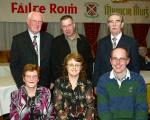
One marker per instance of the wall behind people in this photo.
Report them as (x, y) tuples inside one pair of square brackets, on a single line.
[(8, 29)]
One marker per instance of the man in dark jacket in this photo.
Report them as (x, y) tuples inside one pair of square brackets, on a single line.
[(70, 42), (107, 44), (32, 47)]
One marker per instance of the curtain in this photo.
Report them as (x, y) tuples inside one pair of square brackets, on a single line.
[(9, 29), (91, 31), (140, 33)]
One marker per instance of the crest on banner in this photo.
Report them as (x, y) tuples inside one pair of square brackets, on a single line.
[(91, 9)]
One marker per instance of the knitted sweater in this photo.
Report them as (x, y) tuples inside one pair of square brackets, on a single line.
[(127, 102)]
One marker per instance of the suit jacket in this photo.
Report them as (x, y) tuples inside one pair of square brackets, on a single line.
[(23, 52), (60, 49), (143, 64), (104, 48)]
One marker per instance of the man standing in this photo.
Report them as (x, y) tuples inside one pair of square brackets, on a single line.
[(121, 93), (32, 47), (107, 44), (70, 42)]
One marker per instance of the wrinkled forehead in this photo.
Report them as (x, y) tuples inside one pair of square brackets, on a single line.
[(34, 72), (36, 16), (115, 17)]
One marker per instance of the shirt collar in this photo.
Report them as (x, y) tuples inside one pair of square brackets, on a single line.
[(76, 37), (32, 35), (117, 37), (112, 76)]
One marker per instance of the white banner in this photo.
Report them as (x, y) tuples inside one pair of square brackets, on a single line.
[(134, 11)]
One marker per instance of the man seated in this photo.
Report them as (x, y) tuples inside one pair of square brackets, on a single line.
[(121, 93)]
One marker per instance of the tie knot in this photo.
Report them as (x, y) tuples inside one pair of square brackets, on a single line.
[(114, 39)]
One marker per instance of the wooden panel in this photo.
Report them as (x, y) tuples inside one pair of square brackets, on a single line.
[(4, 56), (1, 117)]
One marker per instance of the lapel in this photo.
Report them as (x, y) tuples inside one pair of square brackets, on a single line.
[(109, 43), (28, 42), (42, 42), (65, 43), (122, 41)]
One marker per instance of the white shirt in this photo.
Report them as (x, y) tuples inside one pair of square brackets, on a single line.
[(112, 76), (38, 43), (117, 37)]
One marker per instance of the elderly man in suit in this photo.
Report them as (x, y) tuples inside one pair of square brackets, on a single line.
[(107, 44), (32, 47)]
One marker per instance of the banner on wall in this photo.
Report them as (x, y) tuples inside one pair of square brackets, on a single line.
[(134, 11)]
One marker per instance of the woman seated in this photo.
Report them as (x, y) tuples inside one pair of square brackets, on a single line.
[(73, 93), (30, 101)]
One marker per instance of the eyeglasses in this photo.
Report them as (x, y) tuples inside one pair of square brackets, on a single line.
[(35, 21), (31, 77), (74, 65), (118, 59)]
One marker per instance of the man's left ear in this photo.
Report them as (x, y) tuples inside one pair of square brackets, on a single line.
[(122, 24), (128, 61), (74, 25)]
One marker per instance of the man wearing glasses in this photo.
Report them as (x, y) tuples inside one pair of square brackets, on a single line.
[(121, 93), (32, 47)]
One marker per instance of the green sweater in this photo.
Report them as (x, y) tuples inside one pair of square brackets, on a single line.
[(127, 102)]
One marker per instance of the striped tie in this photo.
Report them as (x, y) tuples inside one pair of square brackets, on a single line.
[(35, 44), (114, 44)]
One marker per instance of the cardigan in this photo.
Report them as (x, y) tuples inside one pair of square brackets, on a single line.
[(23, 107)]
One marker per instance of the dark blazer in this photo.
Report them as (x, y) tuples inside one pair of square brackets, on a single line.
[(60, 49), (104, 48), (143, 64), (22, 53)]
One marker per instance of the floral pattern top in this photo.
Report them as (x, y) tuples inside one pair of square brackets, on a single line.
[(23, 107), (77, 104)]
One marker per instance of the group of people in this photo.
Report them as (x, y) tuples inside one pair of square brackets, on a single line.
[(64, 66)]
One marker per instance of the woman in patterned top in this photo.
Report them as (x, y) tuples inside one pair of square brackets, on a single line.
[(73, 93), (31, 102)]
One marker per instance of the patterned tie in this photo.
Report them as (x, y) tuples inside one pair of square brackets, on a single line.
[(114, 42), (35, 44)]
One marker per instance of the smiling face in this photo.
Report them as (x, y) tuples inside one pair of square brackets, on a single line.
[(73, 67), (119, 60), (31, 79), (115, 24)]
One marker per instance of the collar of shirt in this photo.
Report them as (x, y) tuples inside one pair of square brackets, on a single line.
[(32, 35), (120, 81), (117, 37), (113, 76), (76, 37)]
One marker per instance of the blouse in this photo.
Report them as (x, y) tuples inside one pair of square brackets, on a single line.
[(73, 104), (23, 107)]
